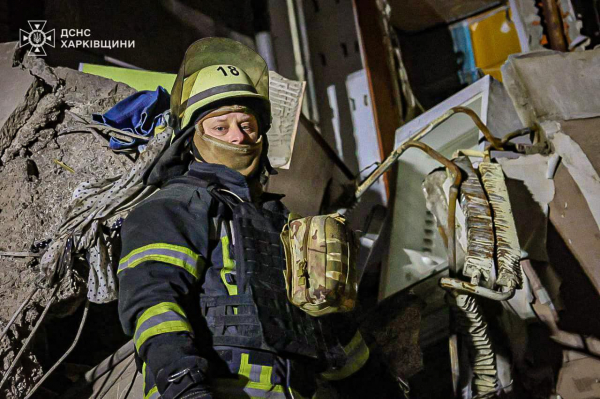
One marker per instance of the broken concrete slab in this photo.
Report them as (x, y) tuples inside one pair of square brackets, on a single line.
[(575, 210), (550, 85), (14, 82), (42, 116), (531, 189), (20, 94)]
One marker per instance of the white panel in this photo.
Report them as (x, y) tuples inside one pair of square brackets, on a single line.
[(365, 132), (416, 248), (334, 54), (335, 119)]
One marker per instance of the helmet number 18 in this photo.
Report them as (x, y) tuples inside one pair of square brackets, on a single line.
[(232, 70)]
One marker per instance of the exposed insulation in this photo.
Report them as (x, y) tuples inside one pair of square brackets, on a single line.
[(508, 251), (480, 234), (436, 201), (472, 326)]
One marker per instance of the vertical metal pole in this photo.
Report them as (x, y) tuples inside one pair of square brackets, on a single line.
[(554, 25), (262, 32), (312, 93), (264, 47), (299, 65)]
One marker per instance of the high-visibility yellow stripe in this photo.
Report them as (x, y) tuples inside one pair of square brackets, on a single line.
[(253, 389), (153, 391), (244, 382), (228, 267), (163, 328), (265, 374), (171, 247), (165, 259), (353, 345), (144, 377), (175, 255), (160, 308), (245, 367), (157, 317), (357, 353)]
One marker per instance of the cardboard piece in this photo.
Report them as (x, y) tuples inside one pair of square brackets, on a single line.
[(286, 103), (578, 379), (309, 173)]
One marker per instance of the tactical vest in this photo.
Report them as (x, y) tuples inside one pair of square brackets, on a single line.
[(264, 318)]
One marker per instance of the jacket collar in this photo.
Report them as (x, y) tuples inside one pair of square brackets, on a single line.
[(231, 180), (222, 175)]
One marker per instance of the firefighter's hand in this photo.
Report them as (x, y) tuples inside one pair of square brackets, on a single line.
[(184, 379)]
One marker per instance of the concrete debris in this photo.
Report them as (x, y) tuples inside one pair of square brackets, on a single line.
[(558, 93), (582, 170), (549, 85), (530, 191), (574, 209), (37, 128), (39, 116)]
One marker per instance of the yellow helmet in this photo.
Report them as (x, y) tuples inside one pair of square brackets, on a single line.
[(216, 69)]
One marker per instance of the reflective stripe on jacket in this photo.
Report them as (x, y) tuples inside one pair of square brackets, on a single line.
[(172, 251), (253, 381)]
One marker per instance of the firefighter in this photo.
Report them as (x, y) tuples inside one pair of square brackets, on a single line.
[(201, 284)]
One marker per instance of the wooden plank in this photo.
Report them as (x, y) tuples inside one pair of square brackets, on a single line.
[(304, 183), (385, 109)]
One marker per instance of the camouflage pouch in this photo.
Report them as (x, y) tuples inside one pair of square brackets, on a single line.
[(320, 253)]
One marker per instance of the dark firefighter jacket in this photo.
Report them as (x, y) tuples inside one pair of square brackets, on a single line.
[(173, 250)]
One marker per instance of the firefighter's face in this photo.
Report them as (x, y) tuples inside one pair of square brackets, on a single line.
[(234, 128)]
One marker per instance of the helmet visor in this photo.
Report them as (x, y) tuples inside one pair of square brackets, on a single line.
[(218, 51)]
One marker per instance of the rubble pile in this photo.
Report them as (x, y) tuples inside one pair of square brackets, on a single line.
[(45, 153)]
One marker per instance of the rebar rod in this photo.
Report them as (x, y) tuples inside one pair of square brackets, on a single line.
[(494, 141), (18, 311), (29, 338), (67, 353), (393, 157)]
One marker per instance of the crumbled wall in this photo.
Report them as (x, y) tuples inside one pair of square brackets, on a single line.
[(34, 189)]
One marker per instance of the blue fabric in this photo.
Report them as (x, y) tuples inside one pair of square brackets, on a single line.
[(461, 38), (139, 113)]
